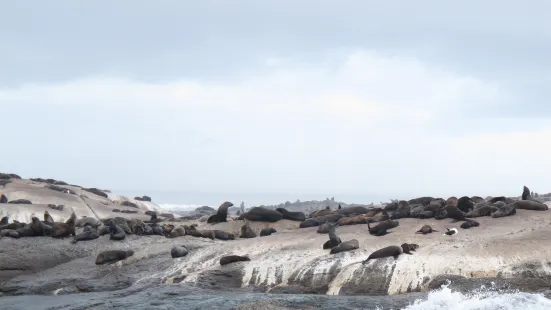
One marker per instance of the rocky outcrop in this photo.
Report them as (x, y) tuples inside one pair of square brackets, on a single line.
[(143, 198), (21, 202)]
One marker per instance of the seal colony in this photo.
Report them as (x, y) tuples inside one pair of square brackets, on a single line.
[(376, 222)]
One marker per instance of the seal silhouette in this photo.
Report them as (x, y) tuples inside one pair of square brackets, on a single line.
[(113, 256), (426, 229), (389, 251)]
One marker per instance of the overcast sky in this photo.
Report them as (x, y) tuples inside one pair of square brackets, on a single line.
[(398, 98)]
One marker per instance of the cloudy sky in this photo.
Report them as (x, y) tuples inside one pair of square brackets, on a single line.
[(394, 98)]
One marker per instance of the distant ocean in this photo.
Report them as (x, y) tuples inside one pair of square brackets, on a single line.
[(186, 201)]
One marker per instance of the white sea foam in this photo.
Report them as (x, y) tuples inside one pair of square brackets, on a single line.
[(483, 299)]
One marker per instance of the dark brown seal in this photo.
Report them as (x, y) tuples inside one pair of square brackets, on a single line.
[(222, 213), (382, 228), (113, 256), (233, 259), (389, 251), (426, 229), (407, 248), (346, 246)]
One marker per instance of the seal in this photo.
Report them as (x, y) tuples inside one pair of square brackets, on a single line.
[(482, 210), (222, 213), (452, 201), (416, 211), (465, 204), (25, 231), (39, 228), (526, 194), (455, 213), (222, 235), (469, 223), (113, 256), (260, 214), (533, 205), (323, 228), (441, 214), (233, 259), (48, 218), (322, 212), (267, 231), (426, 229), (3, 199), (421, 201), (450, 232), (247, 231), (9, 233), (178, 251), (334, 240), (382, 228), (5, 220), (179, 231), (348, 211), (389, 251), (477, 199), (426, 214), (346, 246), (506, 210), (310, 223), (116, 232), (62, 230), (402, 210), (292, 216), (89, 233), (86, 220), (407, 248)]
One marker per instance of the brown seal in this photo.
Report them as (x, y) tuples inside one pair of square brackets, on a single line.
[(389, 251), (407, 248), (426, 229), (113, 256), (233, 259), (346, 246)]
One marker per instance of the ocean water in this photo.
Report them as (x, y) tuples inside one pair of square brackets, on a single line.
[(184, 297)]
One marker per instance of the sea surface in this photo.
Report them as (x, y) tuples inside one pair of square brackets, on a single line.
[(185, 297)]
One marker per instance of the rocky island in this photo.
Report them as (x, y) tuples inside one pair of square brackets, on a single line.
[(499, 240)]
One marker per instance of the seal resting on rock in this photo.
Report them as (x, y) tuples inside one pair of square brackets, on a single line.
[(222, 235), (5, 220), (247, 231), (179, 231), (323, 228), (506, 210), (86, 220), (426, 229), (292, 216), (469, 223), (402, 210), (222, 213), (407, 248), (382, 228), (89, 233), (267, 231), (3, 199), (530, 205), (39, 228), (455, 213), (113, 256), (465, 204), (441, 214), (526, 195), (389, 251), (62, 230), (260, 214), (452, 201), (346, 246), (426, 214), (482, 210), (233, 259), (116, 232), (178, 251), (310, 223)]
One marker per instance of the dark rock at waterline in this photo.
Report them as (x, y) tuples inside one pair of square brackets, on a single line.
[(179, 251), (21, 202), (96, 191), (370, 279), (6, 176)]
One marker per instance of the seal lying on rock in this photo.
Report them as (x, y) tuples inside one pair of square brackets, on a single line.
[(222, 213), (402, 210), (506, 210), (5, 220), (530, 205), (267, 231), (292, 216), (89, 233), (179, 231), (222, 235), (426, 229), (389, 251), (233, 259), (3, 199), (178, 251), (324, 228), (310, 223), (455, 213), (465, 204), (260, 214), (9, 233), (116, 232), (469, 223), (481, 210), (113, 256), (382, 228), (346, 246)]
